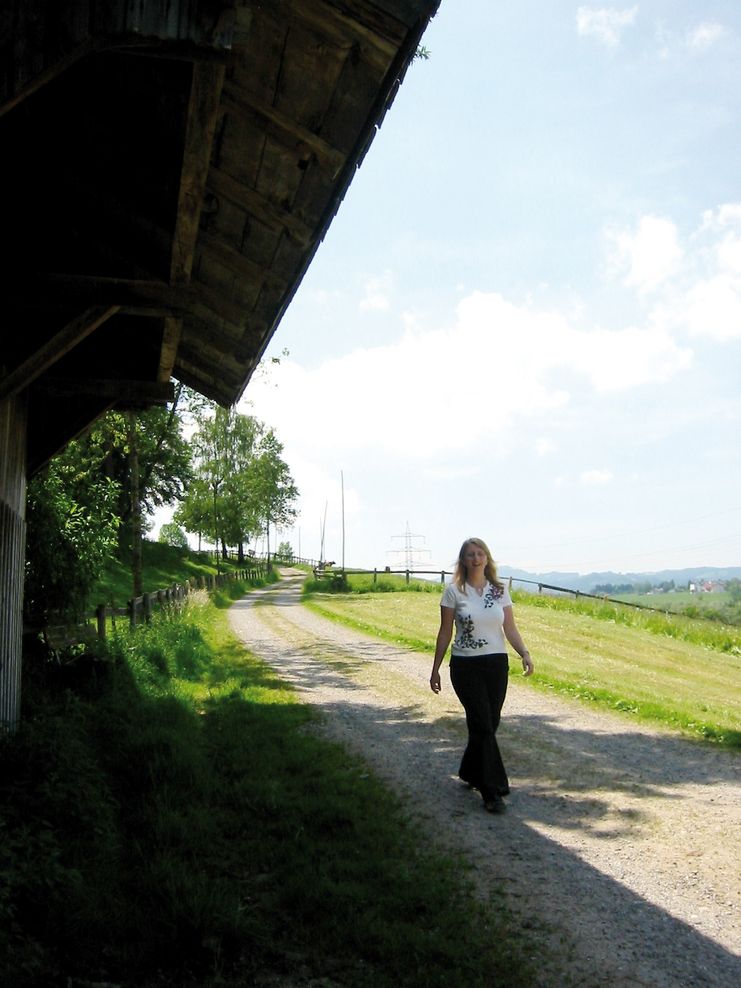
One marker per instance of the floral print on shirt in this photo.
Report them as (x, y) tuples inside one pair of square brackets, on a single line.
[(492, 593), (464, 638)]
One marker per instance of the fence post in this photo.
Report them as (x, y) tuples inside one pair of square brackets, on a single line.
[(407, 576), (132, 612), (147, 607), (100, 618)]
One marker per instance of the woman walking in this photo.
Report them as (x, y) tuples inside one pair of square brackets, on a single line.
[(478, 604)]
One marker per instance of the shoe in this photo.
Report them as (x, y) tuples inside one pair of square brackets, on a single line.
[(467, 784), (495, 805)]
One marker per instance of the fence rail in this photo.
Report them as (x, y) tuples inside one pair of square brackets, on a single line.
[(325, 570), (140, 609)]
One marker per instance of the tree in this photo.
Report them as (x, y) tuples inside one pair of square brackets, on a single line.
[(172, 534), (274, 490), (733, 587), (195, 512), (284, 552), (242, 484), (221, 501), (72, 524)]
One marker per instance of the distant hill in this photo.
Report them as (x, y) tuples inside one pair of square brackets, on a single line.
[(586, 582)]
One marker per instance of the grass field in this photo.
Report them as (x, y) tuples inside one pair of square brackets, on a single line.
[(638, 664), (163, 565), (173, 820)]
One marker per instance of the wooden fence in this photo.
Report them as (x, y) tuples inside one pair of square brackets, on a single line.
[(139, 610), (324, 570)]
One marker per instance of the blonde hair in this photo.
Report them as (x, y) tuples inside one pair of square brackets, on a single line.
[(460, 573)]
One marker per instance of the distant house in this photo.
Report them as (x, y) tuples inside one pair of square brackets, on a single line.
[(713, 586)]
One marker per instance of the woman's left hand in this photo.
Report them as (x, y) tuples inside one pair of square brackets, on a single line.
[(527, 664)]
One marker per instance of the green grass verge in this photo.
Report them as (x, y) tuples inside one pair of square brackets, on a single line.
[(675, 672), (163, 565), (168, 817)]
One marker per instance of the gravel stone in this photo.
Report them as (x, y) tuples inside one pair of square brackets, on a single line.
[(619, 851)]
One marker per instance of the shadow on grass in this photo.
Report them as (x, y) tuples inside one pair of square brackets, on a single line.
[(636, 764), (151, 838)]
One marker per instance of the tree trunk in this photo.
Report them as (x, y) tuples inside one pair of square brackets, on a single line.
[(136, 508)]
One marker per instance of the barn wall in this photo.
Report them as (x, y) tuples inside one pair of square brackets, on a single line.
[(12, 555)]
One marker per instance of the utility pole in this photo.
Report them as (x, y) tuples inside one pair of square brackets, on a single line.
[(410, 550)]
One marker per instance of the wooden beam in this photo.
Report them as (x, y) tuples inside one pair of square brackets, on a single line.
[(169, 349), (127, 293), (223, 185), (203, 111), (362, 20), (110, 390), (54, 349), (236, 262), (243, 103), (53, 71)]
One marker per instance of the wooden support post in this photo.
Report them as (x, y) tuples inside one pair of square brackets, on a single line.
[(100, 619), (12, 556)]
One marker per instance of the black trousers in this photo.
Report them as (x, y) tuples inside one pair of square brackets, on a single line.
[(480, 683)]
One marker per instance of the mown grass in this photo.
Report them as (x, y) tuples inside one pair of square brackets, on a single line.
[(163, 565), (168, 817), (672, 671)]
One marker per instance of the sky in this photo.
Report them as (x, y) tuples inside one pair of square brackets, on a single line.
[(525, 321)]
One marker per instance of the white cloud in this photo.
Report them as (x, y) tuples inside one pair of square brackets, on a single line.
[(445, 390), (544, 446), (377, 296), (647, 256), (709, 303), (704, 36), (713, 308), (719, 219), (624, 359), (606, 24), (596, 478)]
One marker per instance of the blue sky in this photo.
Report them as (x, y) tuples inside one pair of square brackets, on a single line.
[(525, 321)]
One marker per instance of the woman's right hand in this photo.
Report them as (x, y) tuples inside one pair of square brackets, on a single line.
[(435, 684)]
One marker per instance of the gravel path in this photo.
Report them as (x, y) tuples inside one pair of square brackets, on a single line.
[(620, 849)]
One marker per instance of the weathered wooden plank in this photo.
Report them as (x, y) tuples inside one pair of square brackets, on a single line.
[(359, 19), (12, 556), (54, 349), (171, 335), (240, 101), (259, 206), (137, 392), (55, 288), (234, 260), (203, 112)]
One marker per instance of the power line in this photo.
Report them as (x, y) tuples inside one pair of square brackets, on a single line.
[(410, 551)]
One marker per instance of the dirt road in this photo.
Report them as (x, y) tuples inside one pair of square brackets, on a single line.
[(620, 849)]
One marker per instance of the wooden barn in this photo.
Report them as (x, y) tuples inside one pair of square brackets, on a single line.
[(169, 169)]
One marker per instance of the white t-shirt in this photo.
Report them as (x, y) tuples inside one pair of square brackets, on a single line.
[(478, 619)]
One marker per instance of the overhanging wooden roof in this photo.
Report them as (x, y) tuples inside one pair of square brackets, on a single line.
[(168, 171)]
